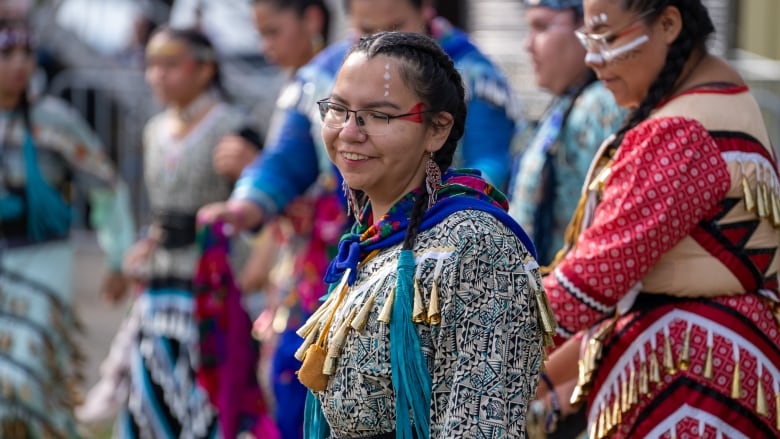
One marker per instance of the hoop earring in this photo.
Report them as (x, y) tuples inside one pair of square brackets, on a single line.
[(353, 207), (432, 180)]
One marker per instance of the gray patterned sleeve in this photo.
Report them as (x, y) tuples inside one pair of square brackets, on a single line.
[(487, 352)]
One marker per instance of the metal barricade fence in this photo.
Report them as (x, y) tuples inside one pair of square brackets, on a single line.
[(116, 103)]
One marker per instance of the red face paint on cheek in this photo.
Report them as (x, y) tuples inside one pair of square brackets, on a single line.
[(415, 114)]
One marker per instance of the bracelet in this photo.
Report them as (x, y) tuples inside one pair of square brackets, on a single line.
[(551, 422)]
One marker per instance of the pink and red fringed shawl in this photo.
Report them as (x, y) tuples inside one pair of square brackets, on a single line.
[(228, 354)]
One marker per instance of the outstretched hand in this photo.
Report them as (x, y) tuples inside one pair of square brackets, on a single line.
[(240, 214), (114, 287)]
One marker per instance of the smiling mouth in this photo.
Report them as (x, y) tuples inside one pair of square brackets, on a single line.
[(354, 156)]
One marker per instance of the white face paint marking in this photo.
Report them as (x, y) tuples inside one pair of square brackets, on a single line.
[(597, 19), (387, 78)]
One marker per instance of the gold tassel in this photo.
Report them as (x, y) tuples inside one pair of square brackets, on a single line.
[(684, 362), (577, 395), (644, 385), (708, 363), (387, 308), (315, 318), (600, 433), (617, 418), (337, 344), (775, 211), (777, 409), (768, 199), (761, 200), (736, 382), (418, 312), (668, 355), (633, 396), (761, 405), (607, 420), (623, 395), (547, 317), (655, 368), (593, 429), (360, 320), (301, 352), (330, 365), (434, 314)]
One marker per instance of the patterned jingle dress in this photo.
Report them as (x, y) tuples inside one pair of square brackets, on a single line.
[(673, 281), (164, 400), (473, 314), (39, 358)]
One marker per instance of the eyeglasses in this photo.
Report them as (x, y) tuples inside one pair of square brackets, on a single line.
[(369, 122), (599, 46)]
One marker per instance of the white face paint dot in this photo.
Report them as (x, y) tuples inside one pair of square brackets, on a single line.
[(387, 78), (603, 17)]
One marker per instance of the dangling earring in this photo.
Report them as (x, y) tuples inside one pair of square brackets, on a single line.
[(353, 207), (432, 180)]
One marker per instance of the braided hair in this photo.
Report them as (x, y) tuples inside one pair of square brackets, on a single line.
[(431, 74), (696, 28)]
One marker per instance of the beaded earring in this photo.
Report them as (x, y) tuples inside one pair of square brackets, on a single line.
[(432, 180)]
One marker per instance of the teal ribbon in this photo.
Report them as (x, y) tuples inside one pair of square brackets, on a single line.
[(48, 216), (411, 379)]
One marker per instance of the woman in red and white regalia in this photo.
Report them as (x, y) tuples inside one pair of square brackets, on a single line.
[(669, 282)]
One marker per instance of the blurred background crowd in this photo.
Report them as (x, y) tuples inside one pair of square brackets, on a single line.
[(91, 54)]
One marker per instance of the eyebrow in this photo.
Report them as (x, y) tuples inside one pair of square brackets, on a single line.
[(369, 105)]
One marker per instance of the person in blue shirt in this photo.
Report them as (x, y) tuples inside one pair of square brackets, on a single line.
[(294, 160), (550, 168)]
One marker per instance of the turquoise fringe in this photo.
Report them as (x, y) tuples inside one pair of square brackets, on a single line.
[(411, 379)]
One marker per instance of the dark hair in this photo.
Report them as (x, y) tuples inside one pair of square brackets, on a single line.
[(202, 51), (430, 72), (20, 24), (416, 3), (696, 28), (300, 6)]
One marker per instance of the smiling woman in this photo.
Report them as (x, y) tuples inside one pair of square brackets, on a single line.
[(435, 286), (670, 273)]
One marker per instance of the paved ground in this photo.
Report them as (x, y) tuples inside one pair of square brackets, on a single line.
[(100, 320)]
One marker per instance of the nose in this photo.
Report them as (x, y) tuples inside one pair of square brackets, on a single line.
[(593, 59), (528, 42), (351, 127)]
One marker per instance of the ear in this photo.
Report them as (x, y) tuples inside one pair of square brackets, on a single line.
[(670, 23), (206, 71), (438, 131), (314, 20)]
